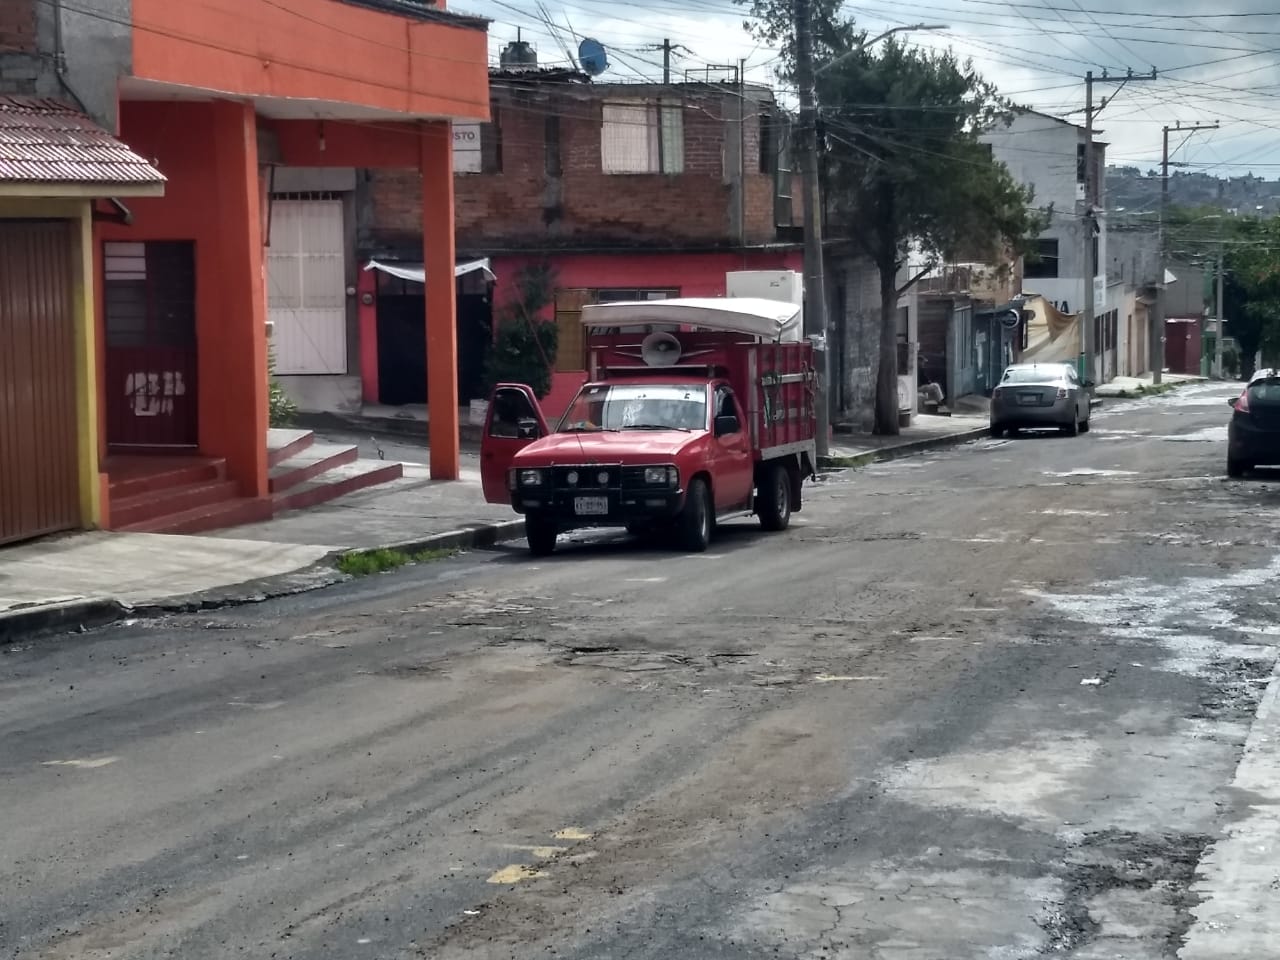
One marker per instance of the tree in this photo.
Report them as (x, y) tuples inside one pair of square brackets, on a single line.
[(906, 171), (1251, 293), (524, 348)]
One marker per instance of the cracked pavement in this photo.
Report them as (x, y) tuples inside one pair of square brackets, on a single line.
[(1004, 701)]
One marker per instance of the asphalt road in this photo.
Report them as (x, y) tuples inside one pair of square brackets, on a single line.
[(988, 703)]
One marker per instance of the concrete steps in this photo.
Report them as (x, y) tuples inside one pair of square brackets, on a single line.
[(144, 507), (336, 482), (134, 480), (193, 494), (309, 463), (283, 444), (313, 473), (206, 517)]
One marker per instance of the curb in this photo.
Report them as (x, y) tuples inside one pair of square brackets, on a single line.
[(907, 449), (1152, 390), (64, 617), (78, 616)]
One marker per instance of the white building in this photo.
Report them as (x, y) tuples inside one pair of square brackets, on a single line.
[(1048, 155)]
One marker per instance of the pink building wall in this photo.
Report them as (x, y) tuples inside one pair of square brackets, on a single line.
[(690, 274)]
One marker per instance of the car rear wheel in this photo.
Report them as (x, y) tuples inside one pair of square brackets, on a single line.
[(541, 534), (1084, 427), (1236, 468), (694, 526), (775, 498), (1072, 429)]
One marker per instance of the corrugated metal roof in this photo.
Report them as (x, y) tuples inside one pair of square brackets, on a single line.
[(47, 141)]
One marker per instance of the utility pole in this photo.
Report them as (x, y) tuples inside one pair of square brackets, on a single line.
[(1217, 340), (666, 60), (1090, 267), (742, 150), (815, 307), (1155, 347), (1087, 267)]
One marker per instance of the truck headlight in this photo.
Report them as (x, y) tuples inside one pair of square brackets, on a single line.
[(660, 476), (530, 478)]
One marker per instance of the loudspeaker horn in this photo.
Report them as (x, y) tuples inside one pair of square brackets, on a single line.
[(660, 349)]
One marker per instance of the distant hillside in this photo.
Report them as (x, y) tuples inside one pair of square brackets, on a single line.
[(1131, 189)]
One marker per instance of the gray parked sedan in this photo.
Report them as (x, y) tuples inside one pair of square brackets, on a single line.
[(1040, 395)]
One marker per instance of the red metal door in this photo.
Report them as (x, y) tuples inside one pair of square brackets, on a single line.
[(513, 422), (150, 305), (39, 492), (735, 465)]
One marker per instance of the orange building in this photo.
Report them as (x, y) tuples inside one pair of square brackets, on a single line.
[(217, 95)]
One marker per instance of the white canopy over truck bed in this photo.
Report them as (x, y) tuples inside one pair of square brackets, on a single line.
[(772, 320)]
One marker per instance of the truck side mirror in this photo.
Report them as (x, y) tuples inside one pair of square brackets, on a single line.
[(726, 425), (527, 428)]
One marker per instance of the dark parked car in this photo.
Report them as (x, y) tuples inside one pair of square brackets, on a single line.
[(1253, 437), (1040, 395)]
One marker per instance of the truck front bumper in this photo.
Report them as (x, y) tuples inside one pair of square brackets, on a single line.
[(599, 508)]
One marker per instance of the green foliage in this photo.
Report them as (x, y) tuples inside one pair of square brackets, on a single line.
[(525, 347), (281, 410), (1251, 293), (904, 163), (362, 563), (1230, 361), (773, 24)]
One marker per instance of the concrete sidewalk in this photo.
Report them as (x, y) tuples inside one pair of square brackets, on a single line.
[(927, 433), (91, 578), (66, 582), (1145, 385)]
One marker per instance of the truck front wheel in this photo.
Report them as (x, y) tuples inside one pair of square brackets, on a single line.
[(541, 534), (775, 498), (694, 525)]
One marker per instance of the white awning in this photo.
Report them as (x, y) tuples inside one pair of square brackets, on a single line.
[(418, 274), (774, 319)]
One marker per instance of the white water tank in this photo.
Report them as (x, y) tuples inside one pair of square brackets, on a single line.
[(784, 285)]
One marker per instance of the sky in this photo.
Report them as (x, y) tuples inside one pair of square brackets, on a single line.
[(1223, 65)]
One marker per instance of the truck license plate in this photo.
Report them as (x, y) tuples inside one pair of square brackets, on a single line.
[(591, 506), (1028, 398)]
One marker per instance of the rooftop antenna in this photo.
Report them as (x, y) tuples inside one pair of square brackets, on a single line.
[(592, 57)]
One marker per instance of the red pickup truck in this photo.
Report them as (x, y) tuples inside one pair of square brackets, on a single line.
[(694, 410)]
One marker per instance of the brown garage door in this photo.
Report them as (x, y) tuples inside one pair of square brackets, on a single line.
[(38, 488)]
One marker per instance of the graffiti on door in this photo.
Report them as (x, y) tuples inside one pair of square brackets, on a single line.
[(150, 394)]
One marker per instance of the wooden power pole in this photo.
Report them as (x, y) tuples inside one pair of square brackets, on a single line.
[(1156, 343), (815, 293), (1089, 227)]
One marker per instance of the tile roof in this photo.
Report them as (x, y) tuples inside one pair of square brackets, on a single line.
[(47, 141)]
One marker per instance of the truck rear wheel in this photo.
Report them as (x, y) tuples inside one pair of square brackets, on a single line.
[(694, 525), (775, 498), (541, 534)]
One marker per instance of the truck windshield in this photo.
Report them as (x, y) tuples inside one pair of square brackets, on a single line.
[(637, 407)]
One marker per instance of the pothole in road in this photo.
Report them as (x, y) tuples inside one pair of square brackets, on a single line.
[(1130, 882)]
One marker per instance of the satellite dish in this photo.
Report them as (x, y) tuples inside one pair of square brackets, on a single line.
[(592, 58), (660, 349)]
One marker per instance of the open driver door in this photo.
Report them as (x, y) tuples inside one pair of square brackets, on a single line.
[(513, 422)]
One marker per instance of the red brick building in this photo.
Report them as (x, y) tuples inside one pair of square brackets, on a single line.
[(625, 190)]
